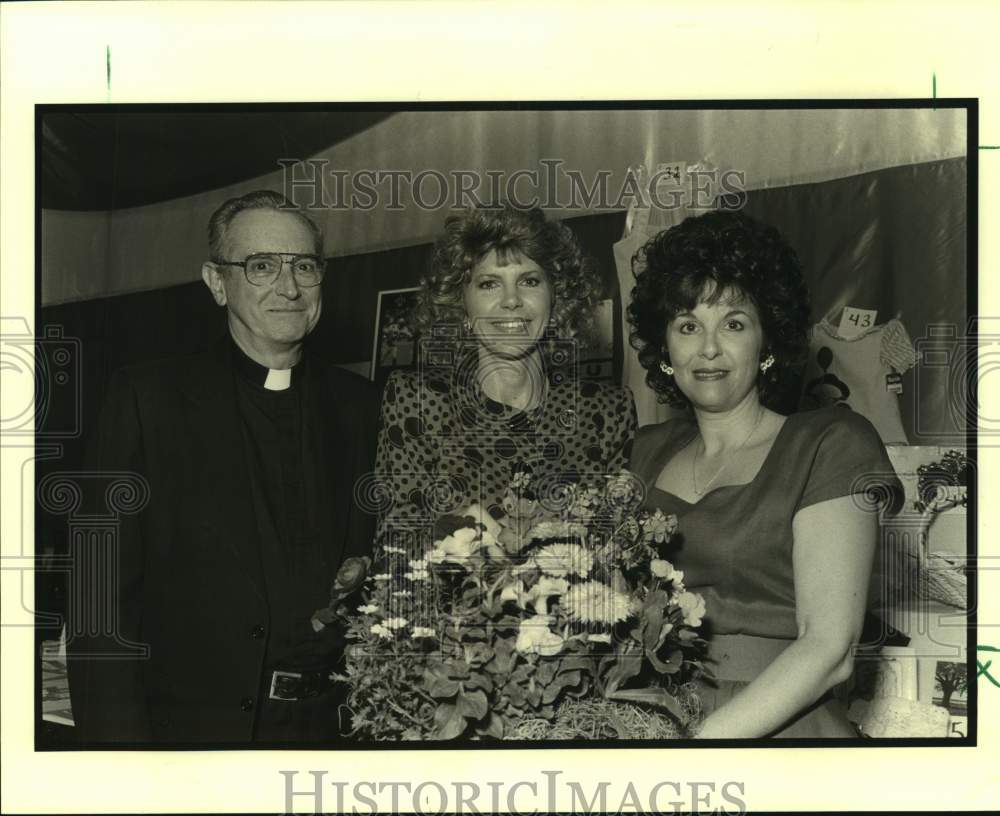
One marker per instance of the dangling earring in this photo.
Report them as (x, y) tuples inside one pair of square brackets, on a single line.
[(467, 326), (766, 363), (667, 369)]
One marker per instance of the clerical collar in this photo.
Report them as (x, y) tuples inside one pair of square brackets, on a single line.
[(271, 379)]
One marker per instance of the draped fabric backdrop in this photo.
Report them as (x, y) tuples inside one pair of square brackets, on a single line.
[(97, 254)]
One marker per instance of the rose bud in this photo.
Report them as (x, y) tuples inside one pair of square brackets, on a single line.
[(351, 575)]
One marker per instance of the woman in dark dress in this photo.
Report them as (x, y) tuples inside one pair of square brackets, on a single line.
[(777, 527), (495, 392)]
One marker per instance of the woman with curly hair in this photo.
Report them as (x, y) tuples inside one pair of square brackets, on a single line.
[(508, 296), (776, 522)]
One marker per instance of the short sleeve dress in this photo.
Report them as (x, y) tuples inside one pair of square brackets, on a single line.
[(735, 544), (444, 444)]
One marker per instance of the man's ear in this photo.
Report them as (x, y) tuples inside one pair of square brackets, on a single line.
[(213, 280)]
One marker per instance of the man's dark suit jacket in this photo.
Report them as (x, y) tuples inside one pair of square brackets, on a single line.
[(190, 581)]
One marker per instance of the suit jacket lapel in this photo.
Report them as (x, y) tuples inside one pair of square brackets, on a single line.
[(328, 453), (217, 431)]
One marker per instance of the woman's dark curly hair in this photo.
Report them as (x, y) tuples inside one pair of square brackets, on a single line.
[(513, 232), (721, 252)]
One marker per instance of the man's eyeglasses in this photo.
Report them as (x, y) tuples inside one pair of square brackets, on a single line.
[(263, 268)]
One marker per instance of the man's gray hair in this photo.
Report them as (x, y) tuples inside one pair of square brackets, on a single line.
[(219, 223)]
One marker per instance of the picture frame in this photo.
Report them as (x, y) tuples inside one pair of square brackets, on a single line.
[(394, 343)]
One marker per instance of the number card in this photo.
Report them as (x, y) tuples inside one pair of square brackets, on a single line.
[(670, 180), (854, 321)]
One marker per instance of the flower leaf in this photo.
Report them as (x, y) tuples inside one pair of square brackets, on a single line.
[(672, 665), (438, 684), (657, 599), (652, 623), (458, 669), (480, 681), (546, 671), (625, 669), (504, 656), (563, 681), (493, 727), (516, 693), (472, 704), (583, 663), (448, 722), (655, 697)]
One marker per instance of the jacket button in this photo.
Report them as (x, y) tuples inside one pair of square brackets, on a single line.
[(246, 704), (257, 632)]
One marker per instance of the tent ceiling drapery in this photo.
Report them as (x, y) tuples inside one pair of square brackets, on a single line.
[(89, 254), (99, 160)]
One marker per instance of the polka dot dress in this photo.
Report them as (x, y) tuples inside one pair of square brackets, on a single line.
[(444, 444)]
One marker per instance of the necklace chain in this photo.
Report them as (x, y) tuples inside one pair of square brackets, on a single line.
[(694, 459)]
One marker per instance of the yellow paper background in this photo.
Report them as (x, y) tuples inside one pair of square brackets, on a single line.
[(250, 52)]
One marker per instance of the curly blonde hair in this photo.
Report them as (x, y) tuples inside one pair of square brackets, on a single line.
[(471, 235)]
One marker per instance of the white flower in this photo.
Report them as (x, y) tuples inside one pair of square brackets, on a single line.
[(382, 576), (535, 637), (512, 592), (693, 607), (368, 609), (380, 630), (422, 632), (661, 569), (564, 559), (597, 602), (457, 548), (402, 593), (395, 623), (538, 596), (418, 565), (465, 535), (417, 575), (659, 526), (389, 548)]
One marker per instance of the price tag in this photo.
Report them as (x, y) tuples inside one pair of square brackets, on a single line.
[(670, 179), (854, 321), (671, 173)]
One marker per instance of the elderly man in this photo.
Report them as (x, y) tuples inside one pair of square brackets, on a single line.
[(251, 451)]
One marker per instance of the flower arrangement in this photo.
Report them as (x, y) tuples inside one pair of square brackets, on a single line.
[(500, 622)]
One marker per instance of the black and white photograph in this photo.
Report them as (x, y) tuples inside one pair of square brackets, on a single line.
[(951, 687), (274, 532), (395, 335)]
